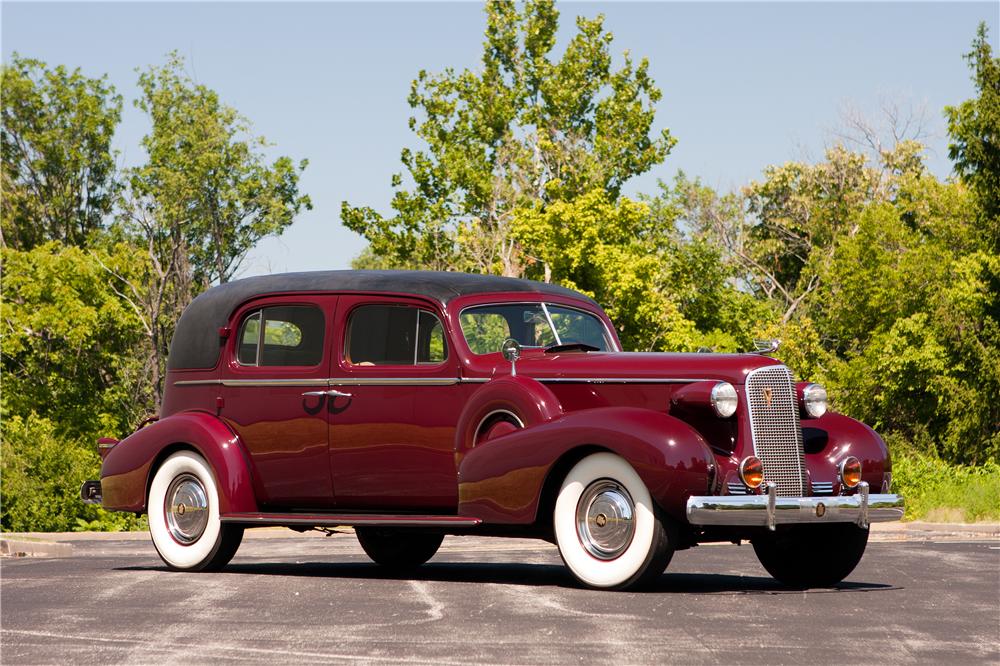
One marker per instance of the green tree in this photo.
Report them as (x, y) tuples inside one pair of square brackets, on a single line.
[(525, 130), (974, 127), (58, 174), (69, 341), (207, 181), (205, 197)]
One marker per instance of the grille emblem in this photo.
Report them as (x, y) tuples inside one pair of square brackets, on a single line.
[(767, 396)]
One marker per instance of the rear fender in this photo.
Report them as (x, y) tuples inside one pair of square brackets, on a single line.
[(501, 480), (128, 468)]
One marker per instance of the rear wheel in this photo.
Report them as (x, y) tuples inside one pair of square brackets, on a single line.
[(398, 549), (184, 516), (610, 533), (812, 555)]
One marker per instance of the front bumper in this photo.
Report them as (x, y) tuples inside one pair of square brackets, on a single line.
[(770, 510)]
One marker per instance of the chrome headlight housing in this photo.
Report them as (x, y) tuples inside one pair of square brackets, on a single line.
[(814, 400), (724, 399)]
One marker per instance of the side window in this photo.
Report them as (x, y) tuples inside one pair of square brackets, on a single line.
[(282, 335), (484, 331), (431, 345), (249, 337), (394, 335)]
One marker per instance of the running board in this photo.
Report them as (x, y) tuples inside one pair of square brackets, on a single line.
[(347, 519)]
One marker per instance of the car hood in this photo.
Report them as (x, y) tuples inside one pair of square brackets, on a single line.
[(732, 368)]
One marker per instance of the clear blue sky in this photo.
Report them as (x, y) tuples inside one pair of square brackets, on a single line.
[(745, 85)]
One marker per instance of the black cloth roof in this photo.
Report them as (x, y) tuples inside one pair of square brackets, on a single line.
[(196, 338)]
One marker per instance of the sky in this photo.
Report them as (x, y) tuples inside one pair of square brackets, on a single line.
[(745, 85)]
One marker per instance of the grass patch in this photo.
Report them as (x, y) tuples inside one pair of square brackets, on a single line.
[(938, 491)]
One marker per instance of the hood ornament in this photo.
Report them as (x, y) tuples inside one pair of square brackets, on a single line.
[(511, 350), (766, 346)]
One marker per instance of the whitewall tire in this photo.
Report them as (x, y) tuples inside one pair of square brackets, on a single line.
[(609, 532), (184, 516)]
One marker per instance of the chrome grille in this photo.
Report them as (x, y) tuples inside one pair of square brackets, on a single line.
[(736, 488), (774, 425)]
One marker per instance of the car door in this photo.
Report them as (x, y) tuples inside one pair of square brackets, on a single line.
[(392, 437), (278, 355)]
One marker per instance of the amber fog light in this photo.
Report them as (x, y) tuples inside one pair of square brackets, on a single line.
[(850, 472), (751, 472)]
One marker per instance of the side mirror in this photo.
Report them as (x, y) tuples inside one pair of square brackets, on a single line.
[(511, 350)]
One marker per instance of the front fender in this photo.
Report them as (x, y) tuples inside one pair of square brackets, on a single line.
[(832, 437), (501, 481), (128, 468)]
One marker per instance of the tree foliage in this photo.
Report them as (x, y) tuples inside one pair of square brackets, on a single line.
[(524, 131), (69, 342), (974, 127), (98, 264), (58, 174), (206, 186)]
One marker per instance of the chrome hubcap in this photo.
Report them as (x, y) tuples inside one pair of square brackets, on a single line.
[(186, 509), (605, 519)]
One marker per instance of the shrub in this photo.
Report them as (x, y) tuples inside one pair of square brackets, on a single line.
[(41, 478), (935, 489)]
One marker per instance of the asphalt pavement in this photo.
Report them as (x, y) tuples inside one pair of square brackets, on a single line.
[(305, 599)]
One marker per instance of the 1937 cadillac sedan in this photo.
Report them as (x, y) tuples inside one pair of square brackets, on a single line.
[(412, 405)]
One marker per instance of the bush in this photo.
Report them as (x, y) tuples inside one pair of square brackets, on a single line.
[(935, 489), (41, 478)]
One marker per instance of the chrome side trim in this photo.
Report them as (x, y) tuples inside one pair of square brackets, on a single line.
[(336, 520), (428, 381), (273, 382), (618, 380), (392, 381), (753, 510), (329, 381)]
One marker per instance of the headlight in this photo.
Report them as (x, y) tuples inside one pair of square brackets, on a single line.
[(814, 401), (724, 399)]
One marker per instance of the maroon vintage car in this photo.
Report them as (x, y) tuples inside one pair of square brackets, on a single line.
[(412, 405)]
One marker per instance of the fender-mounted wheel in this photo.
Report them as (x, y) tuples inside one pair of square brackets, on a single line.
[(184, 516), (609, 532)]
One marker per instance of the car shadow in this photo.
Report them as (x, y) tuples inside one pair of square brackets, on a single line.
[(534, 575)]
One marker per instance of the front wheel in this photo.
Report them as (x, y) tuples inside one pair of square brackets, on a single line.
[(609, 532), (812, 555), (398, 549), (184, 516)]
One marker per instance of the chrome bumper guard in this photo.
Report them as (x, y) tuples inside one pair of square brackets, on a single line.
[(770, 510), (90, 492)]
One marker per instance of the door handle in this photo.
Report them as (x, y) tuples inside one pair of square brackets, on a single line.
[(331, 393)]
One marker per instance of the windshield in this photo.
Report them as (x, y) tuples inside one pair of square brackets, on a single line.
[(532, 324)]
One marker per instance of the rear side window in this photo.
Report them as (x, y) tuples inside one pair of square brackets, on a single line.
[(282, 335), (395, 335)]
